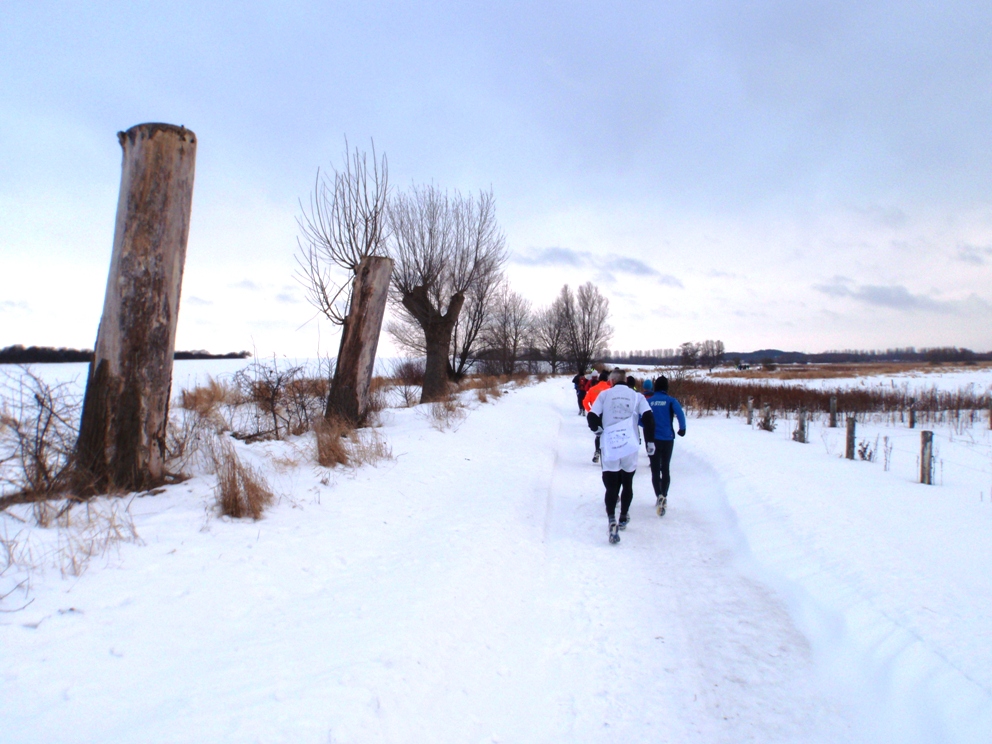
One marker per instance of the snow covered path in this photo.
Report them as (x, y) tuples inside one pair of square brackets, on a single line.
[(462, 592)]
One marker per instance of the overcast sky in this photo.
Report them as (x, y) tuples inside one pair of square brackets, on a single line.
[(800, 175)]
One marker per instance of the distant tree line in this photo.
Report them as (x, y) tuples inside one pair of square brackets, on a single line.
[(499, 332), (18, 354), (705, 353)]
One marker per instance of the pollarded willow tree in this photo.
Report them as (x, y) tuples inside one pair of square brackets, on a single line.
[(345, 269), (444, 246)]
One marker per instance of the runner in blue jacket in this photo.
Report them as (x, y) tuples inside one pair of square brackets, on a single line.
[(665, 409)]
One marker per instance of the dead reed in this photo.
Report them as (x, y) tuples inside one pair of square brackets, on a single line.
[(242, 491), (332, 442)]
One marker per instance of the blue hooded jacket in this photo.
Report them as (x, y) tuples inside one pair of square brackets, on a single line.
[(665, 408)]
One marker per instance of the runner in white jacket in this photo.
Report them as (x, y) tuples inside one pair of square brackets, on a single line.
[(615, 413)]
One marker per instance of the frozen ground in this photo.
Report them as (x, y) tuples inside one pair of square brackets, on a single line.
[(464, 591)]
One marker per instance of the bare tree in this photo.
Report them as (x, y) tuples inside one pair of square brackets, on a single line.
[(475, 315), (507, 334), (550, 334), (689, 354), (711, 353), (344, 223), (345, 231), (467, 336), (444, 246), (587, 312)]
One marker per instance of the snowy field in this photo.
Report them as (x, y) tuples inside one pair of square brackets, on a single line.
[(464, 591)]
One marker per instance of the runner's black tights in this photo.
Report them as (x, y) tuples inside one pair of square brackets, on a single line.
[(614, 481), (661, 477)]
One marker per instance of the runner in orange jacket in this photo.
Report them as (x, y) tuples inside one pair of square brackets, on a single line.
[(594, 391)]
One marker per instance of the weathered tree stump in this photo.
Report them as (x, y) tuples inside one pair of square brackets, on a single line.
[(926, 458), (349, 395), (121, 444)]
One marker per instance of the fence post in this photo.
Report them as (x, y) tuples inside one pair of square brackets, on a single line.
[(849, 450), (990, 414), (926, 457), (833, 411), (750, 412), (912, 415), (799, 434)]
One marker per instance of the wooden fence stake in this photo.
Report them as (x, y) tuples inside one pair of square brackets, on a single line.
[(833, 411), (750, 412), (121, 445), (926, 457), (799, 435), (849, 450)]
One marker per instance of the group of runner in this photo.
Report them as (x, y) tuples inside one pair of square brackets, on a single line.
[(616, 408)]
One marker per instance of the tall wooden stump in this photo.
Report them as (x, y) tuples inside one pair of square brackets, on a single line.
[(349, 394), (121, 442), (926, 458), (849, 444)]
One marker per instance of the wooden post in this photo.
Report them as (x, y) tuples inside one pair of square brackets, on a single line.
[(912, 417), (121, 443), (750, 411), (799, 435), (849, 450), (833, 411), (926, 457), (349, 395), (990, 414)]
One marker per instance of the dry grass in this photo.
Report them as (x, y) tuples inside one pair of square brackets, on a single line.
[(485, 386), (97, 531), (930, 405), (340, 444), (836, 371), (85, 530), (444, 414), (332, 442), (367, 447), (204, 399), (241, 490)]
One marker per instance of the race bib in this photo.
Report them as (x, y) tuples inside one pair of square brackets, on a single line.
[(618, 441)]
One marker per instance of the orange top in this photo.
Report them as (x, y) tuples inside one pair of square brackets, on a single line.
[(593, 393)]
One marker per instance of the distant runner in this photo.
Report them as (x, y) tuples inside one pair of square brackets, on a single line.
[(590, 397), (582, 383), (614, 415), (665, 409)]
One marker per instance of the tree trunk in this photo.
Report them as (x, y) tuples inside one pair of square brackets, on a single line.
[(349, 394), (437, 334), (122, 433)]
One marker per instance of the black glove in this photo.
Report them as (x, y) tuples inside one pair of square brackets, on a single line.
[(681, 432)]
